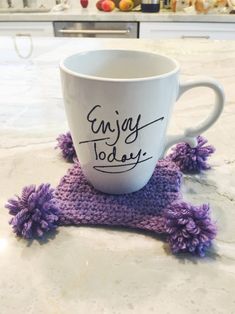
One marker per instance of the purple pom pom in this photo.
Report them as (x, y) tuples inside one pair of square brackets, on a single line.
[(65, 143), (189, 228), (192, 160), (35, 212)]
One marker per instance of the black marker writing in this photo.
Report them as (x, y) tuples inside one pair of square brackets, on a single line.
[(109, 133), (101, 126), (119, 168), (136, 131)]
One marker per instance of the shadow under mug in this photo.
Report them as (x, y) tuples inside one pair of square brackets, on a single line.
[(118, 105)]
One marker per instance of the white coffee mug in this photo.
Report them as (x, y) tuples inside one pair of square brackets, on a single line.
[(118, 105)]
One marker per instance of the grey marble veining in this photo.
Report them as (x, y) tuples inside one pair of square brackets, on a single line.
[(95, 270)]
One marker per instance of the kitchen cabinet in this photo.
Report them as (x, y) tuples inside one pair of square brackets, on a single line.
[(152, 30), (163, 30), (26, 28), (96, 29)]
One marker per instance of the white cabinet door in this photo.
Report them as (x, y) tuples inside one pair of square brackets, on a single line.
[(26, 28), (162, 30)]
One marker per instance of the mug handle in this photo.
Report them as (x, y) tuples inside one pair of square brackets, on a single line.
[(190, 134)]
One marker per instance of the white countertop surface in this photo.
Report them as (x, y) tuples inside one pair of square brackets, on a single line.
[(97, 270), (92, 14)]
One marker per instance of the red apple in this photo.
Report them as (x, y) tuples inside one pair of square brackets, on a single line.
[(99, 5), (108, 5), (84, 3)]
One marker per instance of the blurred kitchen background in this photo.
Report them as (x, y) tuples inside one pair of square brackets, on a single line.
[(154, 19), (154, 6)]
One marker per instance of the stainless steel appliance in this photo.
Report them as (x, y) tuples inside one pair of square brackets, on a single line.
[(96, 29)]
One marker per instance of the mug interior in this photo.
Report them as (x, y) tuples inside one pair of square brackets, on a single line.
[(119, 64)]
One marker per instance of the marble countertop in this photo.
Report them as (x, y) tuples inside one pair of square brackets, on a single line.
[(97, 270), (92, 14)]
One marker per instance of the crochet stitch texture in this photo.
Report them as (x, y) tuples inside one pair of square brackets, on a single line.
[(81, 204), (158, 207)]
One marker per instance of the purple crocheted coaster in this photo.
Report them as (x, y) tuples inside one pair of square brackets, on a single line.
[(158, 207), (81, 204)]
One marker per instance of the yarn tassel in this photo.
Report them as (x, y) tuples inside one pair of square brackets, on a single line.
[(192, 160)]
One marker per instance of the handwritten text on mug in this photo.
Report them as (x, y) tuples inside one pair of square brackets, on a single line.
[(129, 127)]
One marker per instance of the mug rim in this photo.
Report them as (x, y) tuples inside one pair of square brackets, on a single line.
[(107, 79)]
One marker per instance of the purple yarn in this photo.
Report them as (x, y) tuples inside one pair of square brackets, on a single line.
[(192, 160), (158, 207), (35, 212), (65, 143), (189, 228), (81, 204)]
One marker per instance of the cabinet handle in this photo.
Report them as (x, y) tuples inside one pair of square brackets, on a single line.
[(95, 31), (195, 37)]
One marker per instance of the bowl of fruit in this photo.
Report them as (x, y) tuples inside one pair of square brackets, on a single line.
[(122, 5)]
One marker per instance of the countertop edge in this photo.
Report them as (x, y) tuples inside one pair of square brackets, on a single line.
[(93, 15)]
